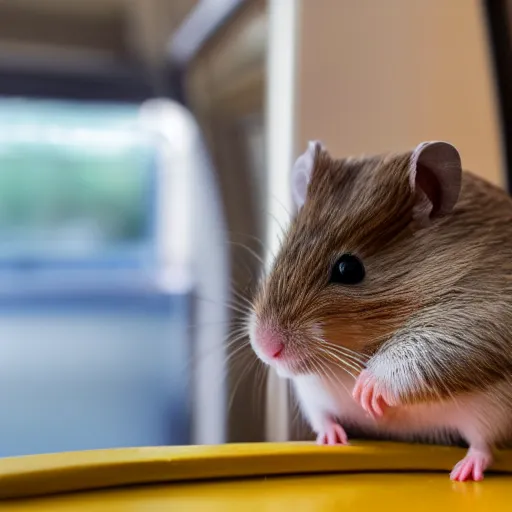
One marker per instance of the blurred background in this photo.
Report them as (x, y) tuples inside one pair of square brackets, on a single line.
[(144, 155)]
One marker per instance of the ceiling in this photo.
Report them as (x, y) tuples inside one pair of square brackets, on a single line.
[(63, 33)]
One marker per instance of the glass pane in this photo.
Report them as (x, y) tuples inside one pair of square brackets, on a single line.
[(76, 182)]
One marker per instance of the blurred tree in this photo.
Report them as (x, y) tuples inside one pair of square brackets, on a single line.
[(61, 183)]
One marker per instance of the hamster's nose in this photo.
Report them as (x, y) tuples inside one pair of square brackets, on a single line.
[(270, 343)]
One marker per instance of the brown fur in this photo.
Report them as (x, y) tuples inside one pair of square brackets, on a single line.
[(435, 308)]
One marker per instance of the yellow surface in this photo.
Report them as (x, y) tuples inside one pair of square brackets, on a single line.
[(366, 476)]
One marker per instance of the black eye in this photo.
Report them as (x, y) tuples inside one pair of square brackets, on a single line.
[(349, 269)]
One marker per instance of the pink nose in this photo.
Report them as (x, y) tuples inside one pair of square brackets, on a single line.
[(270, 343)]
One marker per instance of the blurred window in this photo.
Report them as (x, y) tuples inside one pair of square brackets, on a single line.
[(76, 185)]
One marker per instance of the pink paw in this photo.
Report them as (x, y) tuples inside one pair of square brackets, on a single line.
[(472, 466), (371, 394), (333, 434)]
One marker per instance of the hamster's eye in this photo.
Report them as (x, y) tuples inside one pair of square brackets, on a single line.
[(349, 269)]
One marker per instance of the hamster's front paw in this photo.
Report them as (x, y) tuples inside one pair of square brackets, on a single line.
[(332, 434), (372, 394)]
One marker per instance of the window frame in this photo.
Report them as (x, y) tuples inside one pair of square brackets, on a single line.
[(499, 26)]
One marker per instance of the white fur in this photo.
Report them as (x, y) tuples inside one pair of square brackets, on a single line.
[(477, 418), (482, 419)]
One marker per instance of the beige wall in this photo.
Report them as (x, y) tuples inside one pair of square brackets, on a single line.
[(377, 76)]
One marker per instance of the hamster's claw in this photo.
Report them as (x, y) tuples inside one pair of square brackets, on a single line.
[(369, 394), (333, 434), (472, 466)]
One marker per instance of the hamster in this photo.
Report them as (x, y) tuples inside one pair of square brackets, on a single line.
[(389, 304)]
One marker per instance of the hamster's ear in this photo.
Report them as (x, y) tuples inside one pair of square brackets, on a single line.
[(435, 175), (301, 173)]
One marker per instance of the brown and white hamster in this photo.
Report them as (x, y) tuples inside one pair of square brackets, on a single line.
[(389, 304)]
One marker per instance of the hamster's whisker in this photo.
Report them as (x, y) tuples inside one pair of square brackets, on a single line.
[(231, 353), (236, 336), (236, 322), (239, 331), (252, 252), (237, 342), (340, 354), (281, 204), (345, 365), (241, 297), (333, 378), (238, 234), (240, 325), (316, 366), (342, 351), (348, 355), (356, 355), (234, 307), (311, 366), (345, 369), (337, 379), (260, 375), (241, 301), (337, 359), (352, 353), (196, 358), (235, 354), (238, 296), (355, 365), (245, 373), (278, 224)]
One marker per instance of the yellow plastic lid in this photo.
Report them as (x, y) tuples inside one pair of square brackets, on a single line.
[(236, 474)]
